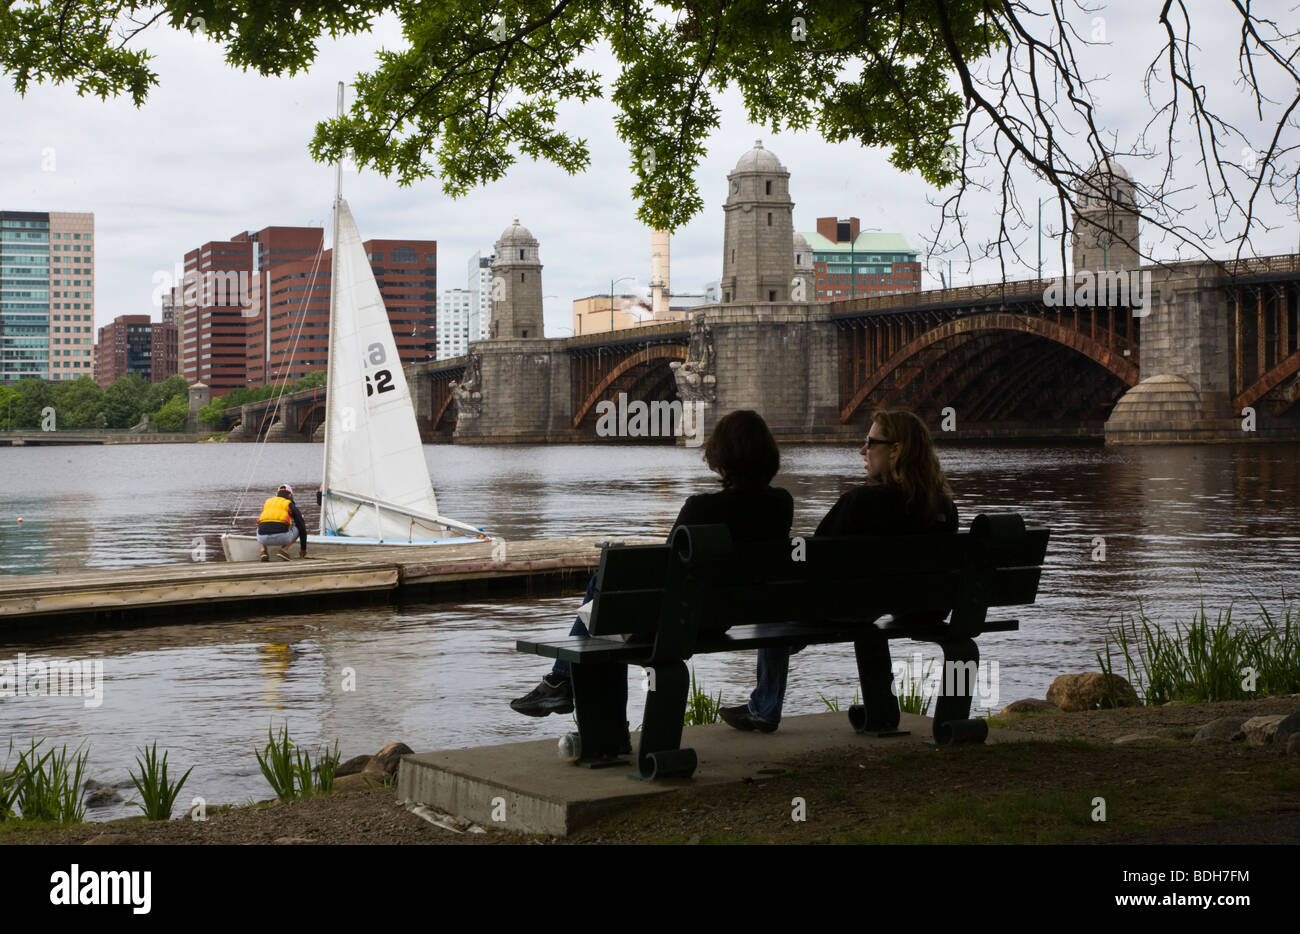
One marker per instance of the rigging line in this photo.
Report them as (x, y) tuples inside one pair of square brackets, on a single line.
[(293, 350)]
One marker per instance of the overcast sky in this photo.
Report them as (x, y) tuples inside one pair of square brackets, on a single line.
[(215, 151)]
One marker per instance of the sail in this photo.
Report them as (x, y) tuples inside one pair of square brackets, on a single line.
[(377, 481)]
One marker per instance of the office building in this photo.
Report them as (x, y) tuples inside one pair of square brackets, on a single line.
[(125, 346), (290, 304), (455, 307), (852, 263), (47, 285), (479, 285)]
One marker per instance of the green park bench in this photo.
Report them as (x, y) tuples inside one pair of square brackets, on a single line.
[(658, 605)]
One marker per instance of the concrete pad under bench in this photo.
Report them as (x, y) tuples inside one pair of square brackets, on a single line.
[(543, 794)]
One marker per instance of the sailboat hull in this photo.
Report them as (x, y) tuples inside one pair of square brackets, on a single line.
[(245, 548)]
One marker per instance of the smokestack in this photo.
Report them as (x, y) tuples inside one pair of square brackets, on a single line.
[(660, 282)]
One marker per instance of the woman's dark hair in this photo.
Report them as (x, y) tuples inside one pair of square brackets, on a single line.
[(742, 451)]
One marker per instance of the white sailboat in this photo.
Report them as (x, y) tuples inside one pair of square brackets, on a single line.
[(376, 494)]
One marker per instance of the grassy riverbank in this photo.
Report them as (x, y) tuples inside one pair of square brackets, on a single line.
[(1158, 789)]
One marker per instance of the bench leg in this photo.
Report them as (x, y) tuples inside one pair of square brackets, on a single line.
[(660, 754), (952, 723), (601, 723)]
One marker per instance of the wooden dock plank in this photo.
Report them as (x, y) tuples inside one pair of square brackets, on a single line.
[(110, 590)]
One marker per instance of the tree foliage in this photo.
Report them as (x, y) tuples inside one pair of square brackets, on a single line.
[(971, 92), (173, 414), (79, 404)]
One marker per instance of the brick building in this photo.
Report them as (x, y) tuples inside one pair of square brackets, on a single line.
[(125, 346), (851, 263), (289, 327)]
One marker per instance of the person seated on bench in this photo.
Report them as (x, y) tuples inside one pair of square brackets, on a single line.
[(742, 451), (906, 494)]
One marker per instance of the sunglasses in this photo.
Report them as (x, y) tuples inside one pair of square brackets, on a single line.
[(872, 441)]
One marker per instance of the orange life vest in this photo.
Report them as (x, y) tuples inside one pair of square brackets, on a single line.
[(276, 509)]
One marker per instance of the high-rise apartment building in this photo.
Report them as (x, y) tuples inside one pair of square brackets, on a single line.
[(479, 284), (293, 299), (165, 345), (47, 285), (454, 309), (125, 346), (273, 247), (851, 263), (215, 294), (256, 307), (224, 329)]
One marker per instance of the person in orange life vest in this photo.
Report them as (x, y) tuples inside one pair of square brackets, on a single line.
[(281, 523)]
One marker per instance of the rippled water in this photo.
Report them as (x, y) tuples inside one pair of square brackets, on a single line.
[(1180, 525)]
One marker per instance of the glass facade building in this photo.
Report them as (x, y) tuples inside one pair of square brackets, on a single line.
[(24, 295)]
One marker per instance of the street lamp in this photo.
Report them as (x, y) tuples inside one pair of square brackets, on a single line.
[(612, 283), (544, 298)]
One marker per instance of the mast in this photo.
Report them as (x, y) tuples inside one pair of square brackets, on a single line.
[(329, 360)]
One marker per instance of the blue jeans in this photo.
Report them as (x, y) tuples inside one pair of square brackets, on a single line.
[(563, 669), (768, 697)]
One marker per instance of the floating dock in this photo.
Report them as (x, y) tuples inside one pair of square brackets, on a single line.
[(226, 588)]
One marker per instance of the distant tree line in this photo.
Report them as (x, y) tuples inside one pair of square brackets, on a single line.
[(211, 414), (82, 404)]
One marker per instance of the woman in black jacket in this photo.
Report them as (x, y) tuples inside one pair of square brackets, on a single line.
[(742, 451)]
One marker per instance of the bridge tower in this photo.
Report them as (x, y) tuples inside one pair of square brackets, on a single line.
[(515, 387), (516, 292), (757, 262), (1106, 223)]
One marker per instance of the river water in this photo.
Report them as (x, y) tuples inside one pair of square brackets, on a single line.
[(1178, 526)]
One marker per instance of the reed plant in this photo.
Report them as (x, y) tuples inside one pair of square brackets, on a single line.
[(9, 783), (1207, 661), (277, 762), (833, 703), (911, 695), (289, 770), (701, 708), (157, 794), (49, 784)]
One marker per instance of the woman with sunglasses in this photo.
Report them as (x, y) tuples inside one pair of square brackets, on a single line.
[(906, 493)]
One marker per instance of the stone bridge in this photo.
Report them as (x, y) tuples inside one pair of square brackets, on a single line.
[(1177, 358)]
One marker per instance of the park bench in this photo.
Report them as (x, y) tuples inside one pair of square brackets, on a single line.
[(658, 605)]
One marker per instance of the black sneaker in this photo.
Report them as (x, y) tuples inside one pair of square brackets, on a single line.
[(548, 697), (740, 717)]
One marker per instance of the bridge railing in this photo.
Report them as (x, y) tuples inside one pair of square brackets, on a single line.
[(1254, 265), (966, 293)]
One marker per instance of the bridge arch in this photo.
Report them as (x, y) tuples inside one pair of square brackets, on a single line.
[(652, 356), (899, 371)]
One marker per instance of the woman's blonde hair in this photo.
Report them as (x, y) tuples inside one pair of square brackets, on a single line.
[(916, 471)]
